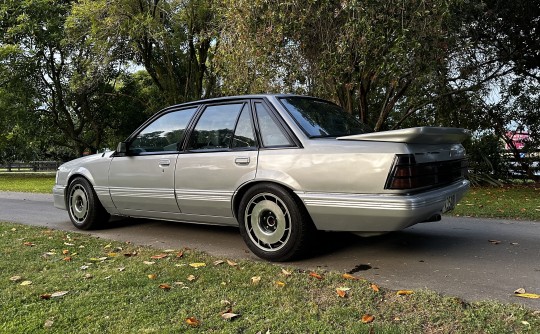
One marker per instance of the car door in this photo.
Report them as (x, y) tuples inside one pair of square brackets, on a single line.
[(220, 155), (141, 183)]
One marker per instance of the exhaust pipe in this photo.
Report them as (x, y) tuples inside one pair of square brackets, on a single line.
[(435, 218)]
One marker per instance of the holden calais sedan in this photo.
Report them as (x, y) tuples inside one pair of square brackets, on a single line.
[(279, 167)]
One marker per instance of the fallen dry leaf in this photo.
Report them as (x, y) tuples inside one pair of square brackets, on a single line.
[(315, 275), (528, 295), (230, 316), (404, 292), (255, 280), (59, 294), (68, 244), (180, 254), (159, 256), (232, 263), (98, 259), (191, 278), (67, 258), (48, 323), (23, 283), (192, 321), (520, 290), (349, 276), (286, 272), (112, 254), (342, 292), (130, 254), (367, 318), (165, 286), (495, 242), (148, 262), (374, 287), (28, 243), (15, 278), (152, 276), (218, 262), (45, 296), (198, 264), (65, 252), (280, 284)]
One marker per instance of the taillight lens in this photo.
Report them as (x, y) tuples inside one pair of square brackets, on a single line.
[(407, 174)]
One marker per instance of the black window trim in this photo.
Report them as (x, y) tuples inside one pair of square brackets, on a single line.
[(246, 103)]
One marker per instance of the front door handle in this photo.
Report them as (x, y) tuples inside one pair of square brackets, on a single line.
[(164, 163), (242, 161)]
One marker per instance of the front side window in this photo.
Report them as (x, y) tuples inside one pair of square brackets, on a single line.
[(163, 134), (215, 127), (319, 118)]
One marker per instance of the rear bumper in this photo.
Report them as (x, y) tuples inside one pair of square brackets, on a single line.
[(59, 197), (378, 213)]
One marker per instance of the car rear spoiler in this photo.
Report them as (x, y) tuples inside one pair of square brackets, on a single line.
[(419, 135)]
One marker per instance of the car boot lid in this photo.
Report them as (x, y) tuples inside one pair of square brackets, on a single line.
[(418, 135)]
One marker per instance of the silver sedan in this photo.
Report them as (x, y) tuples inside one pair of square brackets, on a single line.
[(279, 167)]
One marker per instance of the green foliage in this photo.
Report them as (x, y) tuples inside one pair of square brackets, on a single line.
[(173, 40)]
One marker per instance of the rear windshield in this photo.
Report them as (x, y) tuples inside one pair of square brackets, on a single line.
[(319, 118)]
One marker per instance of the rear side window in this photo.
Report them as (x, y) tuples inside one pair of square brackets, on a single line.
[(271, 133), (163, 134), (215, 128)]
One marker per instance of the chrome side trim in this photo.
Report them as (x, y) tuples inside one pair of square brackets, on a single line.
[(139, 192), (204, 195)]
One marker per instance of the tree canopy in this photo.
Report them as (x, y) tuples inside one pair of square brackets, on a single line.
[(81, 75)]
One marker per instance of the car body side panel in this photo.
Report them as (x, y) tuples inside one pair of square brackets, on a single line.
[(143, 184), (205, 182), (327, 167)]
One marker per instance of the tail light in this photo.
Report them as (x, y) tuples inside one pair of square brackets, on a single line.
[(406, 174)]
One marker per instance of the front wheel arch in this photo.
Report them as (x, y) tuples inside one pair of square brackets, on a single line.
[(84, 207)]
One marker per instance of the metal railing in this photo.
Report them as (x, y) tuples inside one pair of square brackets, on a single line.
[(31, 166)]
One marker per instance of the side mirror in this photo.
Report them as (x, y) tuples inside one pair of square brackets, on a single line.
[(121, 149)]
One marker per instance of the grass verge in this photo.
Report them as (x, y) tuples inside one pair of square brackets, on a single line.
[(115, 287), (27, 182), (509, 201)]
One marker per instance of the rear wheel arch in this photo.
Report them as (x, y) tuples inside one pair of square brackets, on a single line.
[(240, 193), (274, 222)]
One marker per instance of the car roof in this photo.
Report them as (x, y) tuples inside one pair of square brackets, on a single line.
[(235, 97)]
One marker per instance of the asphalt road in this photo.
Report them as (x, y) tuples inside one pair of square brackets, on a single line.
[(454, 256)]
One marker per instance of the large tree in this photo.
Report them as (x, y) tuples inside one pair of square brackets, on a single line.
[(174, 40), (66, 81), (381, 60)]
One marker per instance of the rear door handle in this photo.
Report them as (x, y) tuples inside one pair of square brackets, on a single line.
[(164, 163), (242, 161)]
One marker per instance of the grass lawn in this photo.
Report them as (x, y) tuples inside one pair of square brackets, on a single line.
[(27, 182), (63, 282), (509, 201)]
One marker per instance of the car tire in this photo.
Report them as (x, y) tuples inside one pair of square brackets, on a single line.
[(274, 224), (85, 209)]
